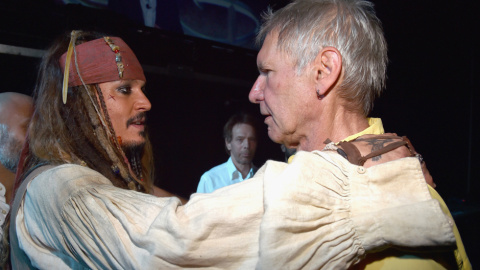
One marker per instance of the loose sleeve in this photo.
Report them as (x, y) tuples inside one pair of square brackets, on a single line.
[(322, 212), (315, 213), (84, 221)]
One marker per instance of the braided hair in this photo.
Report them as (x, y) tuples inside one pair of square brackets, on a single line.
[(80, 131)]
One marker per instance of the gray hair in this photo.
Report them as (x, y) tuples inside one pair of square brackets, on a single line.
[(10, 149), (351, 26)]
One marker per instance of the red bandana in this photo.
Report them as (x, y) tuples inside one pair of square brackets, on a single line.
[(98, 63)]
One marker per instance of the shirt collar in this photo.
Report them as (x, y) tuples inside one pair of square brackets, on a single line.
[(232, 170), (375, 126)]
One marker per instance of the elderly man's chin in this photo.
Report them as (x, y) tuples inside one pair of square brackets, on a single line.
[(275, 135), (283, 139)]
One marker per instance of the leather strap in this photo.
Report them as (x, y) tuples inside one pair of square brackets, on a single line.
[(352, 153), (18, 258)]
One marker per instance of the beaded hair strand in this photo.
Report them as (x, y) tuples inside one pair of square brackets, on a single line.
[(120, 165), (97, 129), (116, 151)]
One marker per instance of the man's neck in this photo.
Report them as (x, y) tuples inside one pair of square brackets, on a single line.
[(7, 178), (335, 127), (244, 169)]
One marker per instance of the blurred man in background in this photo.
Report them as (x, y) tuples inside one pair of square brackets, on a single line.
[(240, 143), (15, 112)]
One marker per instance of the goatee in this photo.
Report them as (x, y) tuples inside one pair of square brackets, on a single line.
[(134, 153)]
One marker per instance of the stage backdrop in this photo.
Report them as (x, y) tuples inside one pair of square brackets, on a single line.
[(200, 65)]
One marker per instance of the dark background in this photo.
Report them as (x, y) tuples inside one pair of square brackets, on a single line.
[(195, 84)]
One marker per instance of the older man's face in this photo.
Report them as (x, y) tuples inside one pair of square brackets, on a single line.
[(285, 98), (14, 118), (10, 149)]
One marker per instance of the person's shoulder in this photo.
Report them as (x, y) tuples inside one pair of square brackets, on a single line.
[(68, 172), (211, 179), (4, 207), (216, 169), (55, 186), (66, 178), (205, 185)]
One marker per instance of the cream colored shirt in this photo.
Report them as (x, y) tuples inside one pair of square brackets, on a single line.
[(318, 212), (4, 208), (395, 259)]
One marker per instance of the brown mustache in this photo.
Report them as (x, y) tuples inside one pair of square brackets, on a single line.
[(139, 117)]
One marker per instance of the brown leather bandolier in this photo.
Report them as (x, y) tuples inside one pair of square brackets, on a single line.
[(368, 150)]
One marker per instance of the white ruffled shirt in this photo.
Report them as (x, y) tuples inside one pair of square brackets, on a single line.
[(4, 207), (318, 212)]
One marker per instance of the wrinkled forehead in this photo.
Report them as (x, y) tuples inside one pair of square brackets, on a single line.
[(271, 50)]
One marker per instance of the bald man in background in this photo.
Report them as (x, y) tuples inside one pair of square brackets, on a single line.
[(15, 112)]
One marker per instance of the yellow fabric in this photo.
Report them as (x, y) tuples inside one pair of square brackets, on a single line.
[(290, 159), (460, 253), (375, 127), (403, 260), (395, 259)]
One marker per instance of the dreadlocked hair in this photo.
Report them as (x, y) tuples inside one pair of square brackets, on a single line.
[(80, 131)]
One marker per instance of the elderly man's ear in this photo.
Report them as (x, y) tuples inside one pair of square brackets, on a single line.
[(328, 69)]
